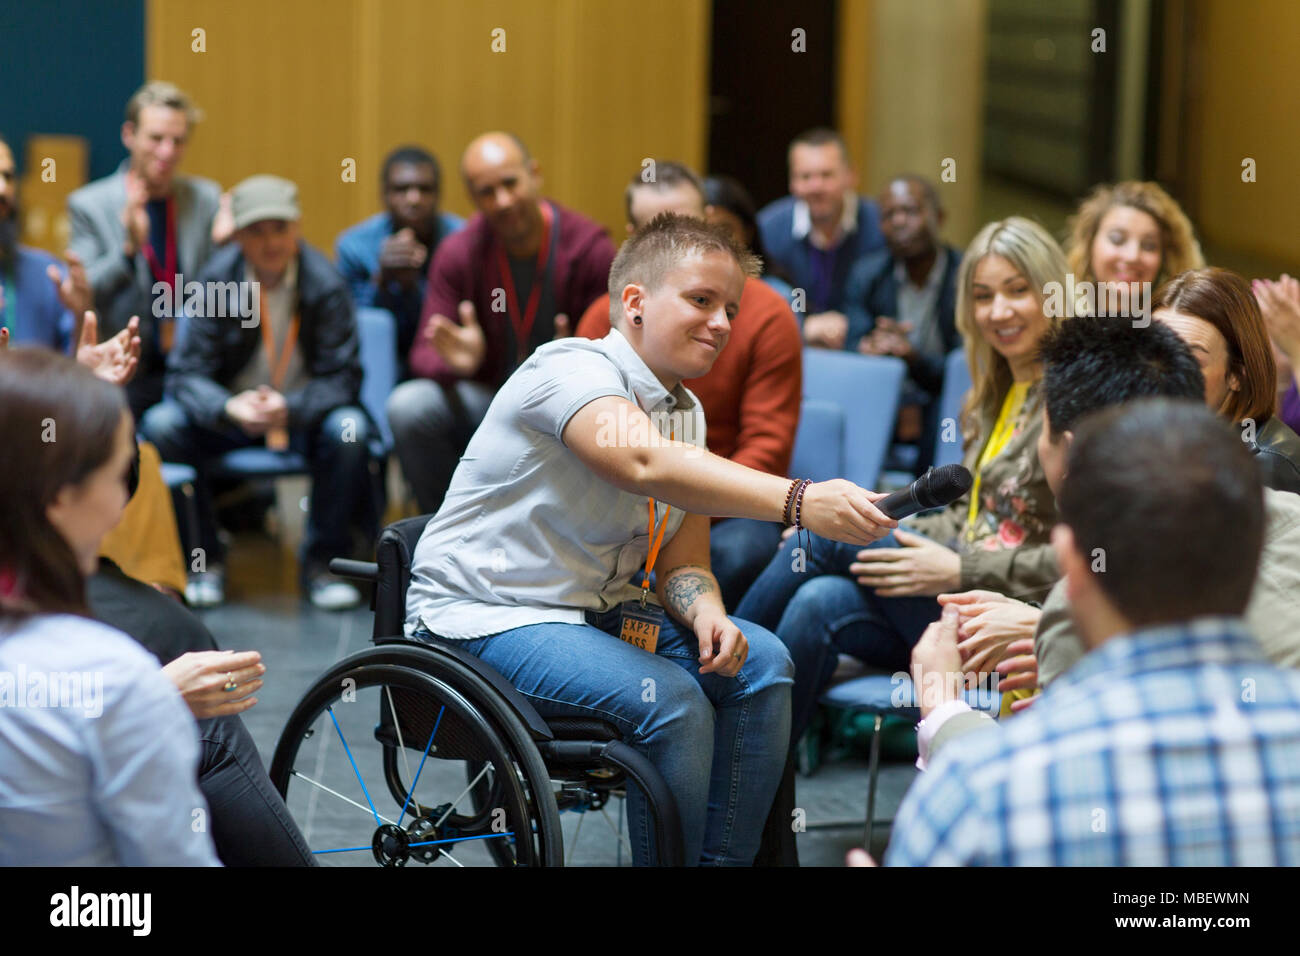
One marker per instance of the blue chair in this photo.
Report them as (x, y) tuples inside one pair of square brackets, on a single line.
[(377, 334), (180, 481), (956, 383), (864, 390), (881, 696), (819, 447)]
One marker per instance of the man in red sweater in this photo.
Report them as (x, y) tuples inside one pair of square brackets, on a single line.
[(751, 395), (497, 289)]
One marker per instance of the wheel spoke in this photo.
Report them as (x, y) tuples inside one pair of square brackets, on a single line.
[(378, 816), (348, 751), (465, 839), (344, 849), (411, 790), (623, 841), (577, 831), (397, 725), (452, 806)]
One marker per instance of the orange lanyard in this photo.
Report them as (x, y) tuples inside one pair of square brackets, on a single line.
[(277, 370), (656, 539)]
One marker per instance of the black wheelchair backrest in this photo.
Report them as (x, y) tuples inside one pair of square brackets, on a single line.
[(393, 555)]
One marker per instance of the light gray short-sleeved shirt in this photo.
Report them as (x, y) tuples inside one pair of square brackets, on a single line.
[(527, 533)]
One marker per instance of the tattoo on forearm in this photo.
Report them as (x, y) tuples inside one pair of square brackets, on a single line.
[(685, 583)]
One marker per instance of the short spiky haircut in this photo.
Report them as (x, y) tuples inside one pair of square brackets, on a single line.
[(658, 246), (1090, 363)]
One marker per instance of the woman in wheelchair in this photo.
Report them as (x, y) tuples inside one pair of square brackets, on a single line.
[(587, 477)]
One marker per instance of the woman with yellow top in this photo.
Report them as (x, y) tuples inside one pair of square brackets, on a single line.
[(873, 603)]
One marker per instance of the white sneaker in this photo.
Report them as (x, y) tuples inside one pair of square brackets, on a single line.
[(330, 594), (206, 588)]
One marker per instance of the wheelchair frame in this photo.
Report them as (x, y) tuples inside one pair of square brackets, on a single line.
[(585, 757)]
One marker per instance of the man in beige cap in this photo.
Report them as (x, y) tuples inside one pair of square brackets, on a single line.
[(287, 379)]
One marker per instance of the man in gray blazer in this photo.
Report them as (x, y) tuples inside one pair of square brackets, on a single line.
[(146, 225)]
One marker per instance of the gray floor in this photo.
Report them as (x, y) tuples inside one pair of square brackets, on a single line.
[(298, 643)]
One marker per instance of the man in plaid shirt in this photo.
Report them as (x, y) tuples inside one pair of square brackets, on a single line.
[(1175, 742)]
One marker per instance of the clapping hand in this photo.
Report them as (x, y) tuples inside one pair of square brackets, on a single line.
[(114, 361), (73, 289)]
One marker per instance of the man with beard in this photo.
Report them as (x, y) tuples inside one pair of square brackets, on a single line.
[(38, 300)]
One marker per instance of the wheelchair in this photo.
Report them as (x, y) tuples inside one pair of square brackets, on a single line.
[(450, 760)]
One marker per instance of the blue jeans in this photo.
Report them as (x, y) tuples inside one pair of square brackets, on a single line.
[(719, 742), (822, 612), (342, 493), (739, 550)]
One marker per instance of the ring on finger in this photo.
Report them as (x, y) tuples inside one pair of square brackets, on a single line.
[(230, 684)]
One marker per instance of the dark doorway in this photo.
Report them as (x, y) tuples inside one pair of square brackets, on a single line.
[(762, 92)]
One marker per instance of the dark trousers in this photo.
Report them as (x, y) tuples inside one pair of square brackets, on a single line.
[(739, 550), (250, 824), (337, 452)]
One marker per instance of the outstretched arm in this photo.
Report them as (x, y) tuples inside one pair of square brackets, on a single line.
[(687, 477)]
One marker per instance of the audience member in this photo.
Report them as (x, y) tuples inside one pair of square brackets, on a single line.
[(1173, 688), (824, 598), (1091, 364), (289, 379), (901, 301), (727, 203), (144, 225), (1127, 234), (38, 300), (385, 258), (818, 232), (558, 478), (750, 395), (1215, 313), (509, 281), (115, 743), (1279, 302)]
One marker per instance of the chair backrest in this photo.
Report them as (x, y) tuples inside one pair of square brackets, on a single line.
[(956, 383), (819, 443), (377, 332), (865, 390), (393, 555)]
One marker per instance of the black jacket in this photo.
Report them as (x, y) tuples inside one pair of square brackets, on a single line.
[(873, 291), (213, 349), (1277, 452)]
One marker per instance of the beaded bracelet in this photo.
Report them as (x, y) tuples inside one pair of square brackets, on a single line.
[(786, 517), (798, 503)]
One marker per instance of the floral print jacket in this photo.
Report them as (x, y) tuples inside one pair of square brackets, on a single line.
[(1010, 550)]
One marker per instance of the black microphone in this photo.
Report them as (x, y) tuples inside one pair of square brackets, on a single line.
[(936, 488)]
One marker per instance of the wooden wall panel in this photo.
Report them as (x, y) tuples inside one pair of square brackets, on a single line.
[(1248, 81), (592, 86)]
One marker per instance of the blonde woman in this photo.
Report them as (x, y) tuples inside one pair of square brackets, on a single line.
[(1127, 234), (875, 602)]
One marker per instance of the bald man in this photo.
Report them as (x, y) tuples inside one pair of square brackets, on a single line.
[(511, 280)]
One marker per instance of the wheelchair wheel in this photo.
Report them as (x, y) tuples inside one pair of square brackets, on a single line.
[(373, 762)]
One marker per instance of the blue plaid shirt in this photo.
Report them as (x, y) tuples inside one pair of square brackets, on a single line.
[(1176, 746)]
